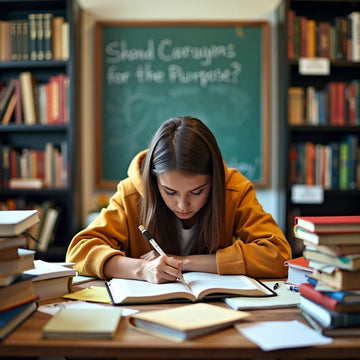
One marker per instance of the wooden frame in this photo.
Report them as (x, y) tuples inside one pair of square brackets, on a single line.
[(102, 99)]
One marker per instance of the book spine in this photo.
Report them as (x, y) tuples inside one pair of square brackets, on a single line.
[(48, 53), (40, 37), (308, 290), (32, 37)]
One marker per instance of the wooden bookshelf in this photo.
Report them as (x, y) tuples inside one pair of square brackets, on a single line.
[(319, 117), (43, 145)]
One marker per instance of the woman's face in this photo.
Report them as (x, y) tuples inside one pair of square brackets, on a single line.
[(184, 194)]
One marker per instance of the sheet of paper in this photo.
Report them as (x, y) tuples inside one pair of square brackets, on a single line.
[(272, 335), (52, 309), (97, 294)]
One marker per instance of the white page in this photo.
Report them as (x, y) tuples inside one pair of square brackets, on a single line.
[(272, 335)]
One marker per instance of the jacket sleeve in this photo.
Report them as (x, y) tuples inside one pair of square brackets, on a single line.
[(105, 237), (257, 247)]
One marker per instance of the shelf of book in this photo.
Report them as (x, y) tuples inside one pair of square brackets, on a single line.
[(40, 131), (319, 109)]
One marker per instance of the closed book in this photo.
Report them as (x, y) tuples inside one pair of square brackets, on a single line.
[(28, 97), (25, 183), (348, 262), (12, 241), (308, 290), (327, 317), (44, 270), (335, 249), (15, 222), (9, 254), (333, 332), (52, 288), (32, 36), (198, 286), (339, 279), (335, 238), (74, 323), (48, 228), (329, 224), (345, 297), (6, 96), (296, 100), (298, 270), (25, 261), (11, 319), (18, 106), (187, 321), (47, 22), (9, 112), (19, 292)]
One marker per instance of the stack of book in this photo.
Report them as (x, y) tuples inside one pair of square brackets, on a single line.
[(330, 299), (17, 296)]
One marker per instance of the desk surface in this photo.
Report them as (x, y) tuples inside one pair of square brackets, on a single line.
[(28, 341)]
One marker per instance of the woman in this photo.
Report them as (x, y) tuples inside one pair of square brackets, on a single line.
[(205, 216)]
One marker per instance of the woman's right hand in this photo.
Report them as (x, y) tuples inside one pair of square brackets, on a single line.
[(161, 269)]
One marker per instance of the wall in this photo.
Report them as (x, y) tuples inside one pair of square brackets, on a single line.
[(94, 10)]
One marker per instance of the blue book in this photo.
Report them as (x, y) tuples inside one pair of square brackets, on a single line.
[(11, 319), (326, 317)]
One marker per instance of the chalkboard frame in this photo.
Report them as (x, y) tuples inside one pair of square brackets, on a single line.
[(102, 183)]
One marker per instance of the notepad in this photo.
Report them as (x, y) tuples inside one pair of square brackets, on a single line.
[(83, 323), (285, 298)]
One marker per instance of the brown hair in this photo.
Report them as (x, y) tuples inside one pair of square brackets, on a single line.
[(186, 145)]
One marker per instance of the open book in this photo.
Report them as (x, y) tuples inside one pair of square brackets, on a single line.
[(199, 286)]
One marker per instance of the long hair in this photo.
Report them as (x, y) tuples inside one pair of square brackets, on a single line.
[(186, 145)]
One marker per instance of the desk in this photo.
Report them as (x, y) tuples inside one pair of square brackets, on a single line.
[(27, 341)]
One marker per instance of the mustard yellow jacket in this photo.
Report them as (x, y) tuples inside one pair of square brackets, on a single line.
[(253, 244)]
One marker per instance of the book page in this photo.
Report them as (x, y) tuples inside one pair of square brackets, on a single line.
[(123, 290), (204, 284)]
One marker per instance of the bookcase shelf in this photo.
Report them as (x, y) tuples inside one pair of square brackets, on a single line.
[(35, 137), (344, 68)]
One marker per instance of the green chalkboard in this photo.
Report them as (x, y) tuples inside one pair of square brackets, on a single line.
[(148, 72)]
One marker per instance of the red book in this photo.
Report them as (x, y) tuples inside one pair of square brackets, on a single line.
[(329, 224), (324, 39), (298, 270), (290, 34), (341, 108), (308, 290)]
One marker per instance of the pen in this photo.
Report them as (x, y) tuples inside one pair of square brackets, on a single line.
[(152, 241), (276, 285), (157, 248), (294, 288)]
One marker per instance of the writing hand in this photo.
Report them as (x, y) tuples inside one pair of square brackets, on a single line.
[(162, 269)]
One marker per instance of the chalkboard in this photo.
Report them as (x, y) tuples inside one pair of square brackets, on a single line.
[(147, 73)]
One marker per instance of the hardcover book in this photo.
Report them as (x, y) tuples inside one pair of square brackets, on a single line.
[(329, 224), (339, 279), (199, 285), (15, 222), (334, 238), (308, 290), (328, 318), (298, 270), (186, 322)]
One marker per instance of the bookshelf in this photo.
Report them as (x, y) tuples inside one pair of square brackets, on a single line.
[(319, 77), (44, 146)]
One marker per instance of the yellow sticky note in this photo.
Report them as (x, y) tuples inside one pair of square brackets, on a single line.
[(92, 294)]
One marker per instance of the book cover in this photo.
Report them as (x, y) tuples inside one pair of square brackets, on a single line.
[(19, 292), (329, 224), (187, 321), (13, 241), (28, 97), (327, 317), (32, 36), (25, 261), (9, 110), (44, 270), (47, 22), (347, 262), (339, 279), (18, 106), (333, 332), (73, 323), (199, 285), (308, 290), (341, 249), (298, 270), (6, 96), (48, 228), (322, 238), (15, 222), (11, 319)]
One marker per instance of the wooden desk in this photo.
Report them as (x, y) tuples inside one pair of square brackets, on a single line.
[(27, 341)]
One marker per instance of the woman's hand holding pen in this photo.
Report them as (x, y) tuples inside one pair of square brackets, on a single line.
[(160, 269)]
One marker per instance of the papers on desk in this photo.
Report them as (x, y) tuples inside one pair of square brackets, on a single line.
[(272, 335), (285, 298)]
